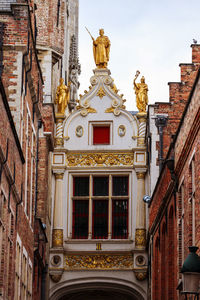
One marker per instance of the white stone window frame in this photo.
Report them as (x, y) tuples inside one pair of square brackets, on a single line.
[(102, 123), (70, 204)]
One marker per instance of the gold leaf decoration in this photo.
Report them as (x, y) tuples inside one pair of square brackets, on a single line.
[(101, 93), (105, 262), (99, 159)]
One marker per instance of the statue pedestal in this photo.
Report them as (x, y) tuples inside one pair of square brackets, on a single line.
[(102, 72)]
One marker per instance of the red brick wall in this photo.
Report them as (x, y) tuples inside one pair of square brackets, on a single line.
[(169, 208), (49, 34), (22, 73), (8, 206)]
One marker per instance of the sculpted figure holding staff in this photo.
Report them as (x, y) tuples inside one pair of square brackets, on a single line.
[(101, 49), (141, 90)]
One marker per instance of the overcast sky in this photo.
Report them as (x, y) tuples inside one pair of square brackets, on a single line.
[(152, 36)]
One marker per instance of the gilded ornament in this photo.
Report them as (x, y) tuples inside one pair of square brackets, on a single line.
[(91, 110), (58, 141), (141, 90), (141, 141), (59, 176), (116, 104), (101, 93), (141, 275), (110, 110), (140, 238), (57, 238), (103, 261), (101, 49), (62, 96), (100, 159), (140, 175)]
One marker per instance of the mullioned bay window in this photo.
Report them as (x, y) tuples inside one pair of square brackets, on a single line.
[(100, 207)]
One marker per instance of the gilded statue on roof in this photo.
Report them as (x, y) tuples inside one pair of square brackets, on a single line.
[(101, 49), (62, 96), (141, 90)]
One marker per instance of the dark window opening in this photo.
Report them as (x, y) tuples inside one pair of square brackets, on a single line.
[(120, 219), (100, 219), (120, 185), (80, 219), (100, 186), (81, 186)]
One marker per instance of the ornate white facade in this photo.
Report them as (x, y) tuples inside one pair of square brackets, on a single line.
[(87, 262)]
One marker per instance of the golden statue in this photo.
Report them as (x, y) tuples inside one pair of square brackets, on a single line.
[(141, 90), (101, 49), (62, 96)]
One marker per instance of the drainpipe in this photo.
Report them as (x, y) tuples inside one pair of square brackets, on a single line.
[(161, 122)]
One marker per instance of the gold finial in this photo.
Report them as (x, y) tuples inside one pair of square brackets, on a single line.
[(141, 90), (101, 49), (62, 96)]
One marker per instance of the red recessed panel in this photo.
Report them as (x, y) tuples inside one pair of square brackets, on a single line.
[(101, 135)]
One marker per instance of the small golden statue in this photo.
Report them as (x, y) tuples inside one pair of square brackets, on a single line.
[(101, 49), (141, 90), (62, 96)]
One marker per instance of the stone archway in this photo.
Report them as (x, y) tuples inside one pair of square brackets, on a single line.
[(98, 291), (97, 295)]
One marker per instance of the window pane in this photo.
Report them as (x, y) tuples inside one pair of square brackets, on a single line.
[(101, 135), (100, 186), (100, 219), (120, 185), (81, 186), (80, 219), (120, 219)]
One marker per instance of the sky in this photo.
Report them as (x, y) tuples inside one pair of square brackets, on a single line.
[(152, 36)]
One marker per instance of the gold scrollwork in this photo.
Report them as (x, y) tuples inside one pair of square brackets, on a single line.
[(57, 238), (140, 238), (106, 262), (101, 93), (100, 159)]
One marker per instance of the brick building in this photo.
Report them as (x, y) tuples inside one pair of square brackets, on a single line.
[(173, 141), (36, 41)]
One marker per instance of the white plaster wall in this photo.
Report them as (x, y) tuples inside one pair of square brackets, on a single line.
[(85, 142)]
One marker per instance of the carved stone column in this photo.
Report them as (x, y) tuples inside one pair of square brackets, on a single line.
[(140, 233), (142, 117), (59, 141), (57, 235)]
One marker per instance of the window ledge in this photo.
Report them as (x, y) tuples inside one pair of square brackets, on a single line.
[(112, 241)]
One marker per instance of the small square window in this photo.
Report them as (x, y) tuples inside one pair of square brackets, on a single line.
[(101, 135)]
